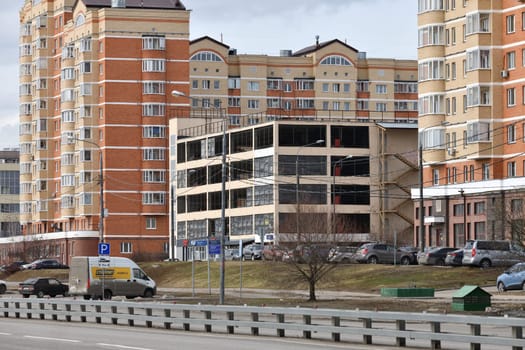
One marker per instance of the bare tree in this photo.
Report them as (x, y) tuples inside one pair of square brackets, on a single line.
[(311, 245)]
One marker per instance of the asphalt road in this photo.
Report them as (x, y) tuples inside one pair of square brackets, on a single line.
[(18, 334)]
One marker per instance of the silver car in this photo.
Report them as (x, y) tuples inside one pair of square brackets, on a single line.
[(485, 253), (252, 251)]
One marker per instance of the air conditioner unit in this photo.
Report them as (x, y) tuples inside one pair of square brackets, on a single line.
[(505, 73)]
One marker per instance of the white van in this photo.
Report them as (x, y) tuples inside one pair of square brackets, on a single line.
[(94, 277)]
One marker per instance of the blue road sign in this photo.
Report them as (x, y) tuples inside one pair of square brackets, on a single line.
[(199, 242), (214, 247), (103, 249)]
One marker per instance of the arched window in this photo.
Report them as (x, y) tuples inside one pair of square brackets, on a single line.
[(336, 60), (80, 20), (206, 56)]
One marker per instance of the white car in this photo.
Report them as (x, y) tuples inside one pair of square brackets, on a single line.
[(3, 287)]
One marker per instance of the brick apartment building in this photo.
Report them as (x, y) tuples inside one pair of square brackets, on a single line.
[(472, 120), (95, 81)]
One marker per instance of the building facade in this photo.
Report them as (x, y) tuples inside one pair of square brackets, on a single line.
[(9, 192), (321, 133), (471, 120), (95, 79)]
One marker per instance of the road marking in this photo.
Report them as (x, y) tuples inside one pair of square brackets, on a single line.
[(53, 339), (121, 346), (6, 334)]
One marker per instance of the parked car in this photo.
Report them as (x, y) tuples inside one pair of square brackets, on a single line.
[(45, 264), (13, 267), (41, 286), (485, 253), (252, 251), (435, 256), (454, 258), (231, 254), (343, 254), (380, 253), (513, 278), (275, 253), (3, 287)]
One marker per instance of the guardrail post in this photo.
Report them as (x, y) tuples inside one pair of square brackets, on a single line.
[(149, 312), (435, 327), (307, 320), (255, 318), (131, 311), (207, 327), (367, 323), (475, 329), (186, 315), (6, 306), (98, 310), (114, 320), (17, 307), (83, 310), (42, 307), (517, 332), (401, 325), (68, 309), (29, 306), (55, 308), (167, 313), (336, 321), (280, 319), (231, 317)]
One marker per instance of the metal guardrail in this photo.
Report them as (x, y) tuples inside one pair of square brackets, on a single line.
[(394, 328)]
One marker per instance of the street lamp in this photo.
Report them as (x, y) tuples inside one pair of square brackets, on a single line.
[(297, 182), (101, 223), (340, 161), (223, 198)]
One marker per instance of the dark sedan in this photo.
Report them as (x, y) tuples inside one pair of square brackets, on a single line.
[(454, 258), (46, 264), (41, 286), (435, 256)]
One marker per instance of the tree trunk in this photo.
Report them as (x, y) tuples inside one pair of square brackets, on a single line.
[(312, 290)]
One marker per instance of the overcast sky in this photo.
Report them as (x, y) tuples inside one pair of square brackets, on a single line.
[(382, 28)]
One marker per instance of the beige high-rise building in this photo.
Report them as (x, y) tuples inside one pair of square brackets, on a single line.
[(324, 126), (471, 120)]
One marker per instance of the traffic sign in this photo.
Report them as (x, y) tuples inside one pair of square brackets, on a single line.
[(214, 247), (199, 242), (103, 249)]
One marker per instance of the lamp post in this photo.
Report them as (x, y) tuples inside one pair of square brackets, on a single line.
[(101, 223), (340, 161), (223, 198), (297, 182)]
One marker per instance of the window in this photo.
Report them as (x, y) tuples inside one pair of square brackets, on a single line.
[(153, 198), (85, 90), (510, 24), (151, 223), (154, 154), (326, 105), (206, 56), (486, 171), (431, 70), (85, 44), (304, 84), (325, 87), (478, 59), (336, 87), (346, 87), (153, 65), (68, 73), (362, 105), (511, 133), (153, 109), (430, 5), (125, 247), (86, 199), (380, 107), (431, 104), (431, 35), (335, 60), (253, 104), (362, 85), (453, 35), (478, 95), (234, 83), (68, 116), (336, 105), (511, 97), (206, 84), (235, 102), (478, 131), (479, 208), (380, 89), (154, 176), (85, 156), (153, 131), (274, 84), (511, 60), (511, 169), (253, 86), (304, 103), (435, 176), (84, 67), (153, 87), (153, 43), (216, 84)]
